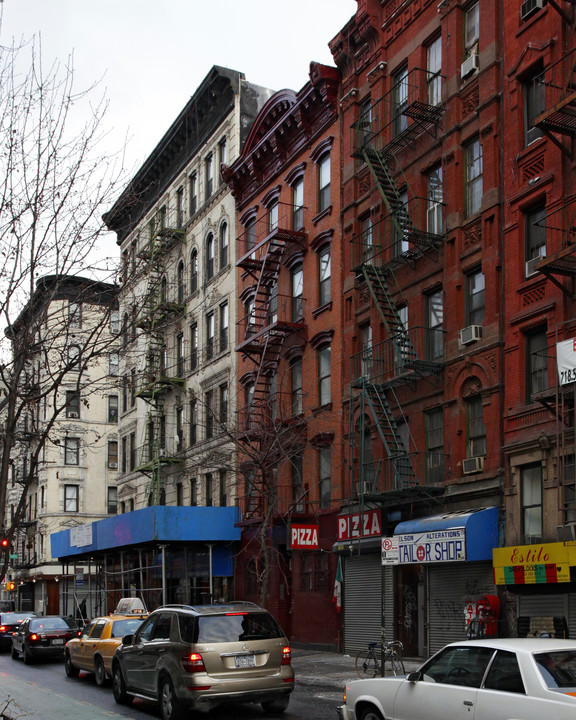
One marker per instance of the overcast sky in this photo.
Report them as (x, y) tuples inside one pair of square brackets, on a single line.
[(151, 56)]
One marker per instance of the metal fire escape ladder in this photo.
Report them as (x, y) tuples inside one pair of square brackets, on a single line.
[(404, 473)]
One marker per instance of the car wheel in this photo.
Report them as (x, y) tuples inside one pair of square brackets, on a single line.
[(276, 706), (28, 659), (119, 687), (15, 654), (99, 672), (71, 670), (170, 706), (370, 713)]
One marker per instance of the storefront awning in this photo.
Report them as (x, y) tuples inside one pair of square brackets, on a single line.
[(480, 526), (159, 524)]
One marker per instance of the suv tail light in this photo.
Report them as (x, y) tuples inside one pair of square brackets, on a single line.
[(193, 663), (33, 637), (286, 656)]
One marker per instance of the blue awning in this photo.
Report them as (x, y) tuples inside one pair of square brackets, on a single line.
[(481, 526), (157, 524)]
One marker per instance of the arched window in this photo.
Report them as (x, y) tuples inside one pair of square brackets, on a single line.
[(224, 242), (194, 271), (181, 288), (210, 256), (164, 291)]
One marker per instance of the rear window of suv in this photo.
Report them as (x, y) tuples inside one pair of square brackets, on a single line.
[(229, 628)]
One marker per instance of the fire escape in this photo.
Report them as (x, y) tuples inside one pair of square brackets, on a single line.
[(272, 323), (158, 311), (394, 123)]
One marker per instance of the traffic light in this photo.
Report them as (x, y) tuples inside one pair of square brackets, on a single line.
[(11, 586)]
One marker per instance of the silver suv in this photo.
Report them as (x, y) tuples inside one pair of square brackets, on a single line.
[(203, 656)]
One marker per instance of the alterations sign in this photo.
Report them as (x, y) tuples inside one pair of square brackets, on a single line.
[(304, 537), (435, 546), (566, 358)]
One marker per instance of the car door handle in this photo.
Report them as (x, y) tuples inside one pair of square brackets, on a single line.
[(468, 702)]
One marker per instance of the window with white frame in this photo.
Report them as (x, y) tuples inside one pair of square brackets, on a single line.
[(471, 29), (210, 252), (400, 101), (473, 162), (71, 451), (224, 245), (209, 176), (224, 327), (324, 274), (435, 324), (71, 498), (193, 346), (475, 297), (324, 182), (113, 363), (113, 408), (180, 207), (435, 201), (210, 336), (296, 385), (324, 477), (193, 191), (434, 67), (324, 375), (298, 204), (297, 281), (194, 271), (112, 501), (531, 497)]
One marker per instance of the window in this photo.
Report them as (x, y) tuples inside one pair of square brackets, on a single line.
[(224, 327), (74, 356), (209, 489), (536, 363), (366, 351), (504, 674), (531, 489), (434, 61), (193, 492), (297, 280), (401, 225), (223, 245), (473, 161), (273, 216), (113, 362), (250, 234), (71, 498), (475, 428), (180, 207), (534, 93), (180, 354), (72, 404), (297, 204), (179, 429), (249, 313), (324, 477), (193, 346), (315, 572), (222, 488), (249, 404), (193, 271), (446, 667), (400, 101), (193, 421), (296, 385), (132, 387), (209, 256), (324, 275), (223, 405), (434, 222), (71, 451), (471, 29), (535, 236), (297, 484), (113, 454), (209, 176), (112, 501), (222, 153), (179, 494), (475, 298), (209, 399), (74, 314), (324, 182), (210, 336), (364, 126), (132, 447), (435, 322), (181, 287), (434, 424), (367, 239), (324, 375), (193, 190), (114, 322), (124, 454)]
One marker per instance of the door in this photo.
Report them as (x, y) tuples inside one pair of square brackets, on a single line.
[(151, 653)]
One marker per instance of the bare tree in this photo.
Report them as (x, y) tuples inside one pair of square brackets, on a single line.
[(54, 186)]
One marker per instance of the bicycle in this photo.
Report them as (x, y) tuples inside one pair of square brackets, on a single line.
[(368, 661)]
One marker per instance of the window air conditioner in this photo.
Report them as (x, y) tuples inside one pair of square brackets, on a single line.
[(113, 465), (470, 334), (73, 415), (472, 465), (531, 265), (470, 65), (567, 532), (529, 7)]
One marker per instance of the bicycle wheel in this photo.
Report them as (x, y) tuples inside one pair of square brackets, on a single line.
[(396, 664), (366, 664)]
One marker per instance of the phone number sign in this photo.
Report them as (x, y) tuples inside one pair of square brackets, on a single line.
[(566, 358)]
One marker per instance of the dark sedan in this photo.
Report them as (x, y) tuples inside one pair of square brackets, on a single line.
[(43, 637), (9, 622)]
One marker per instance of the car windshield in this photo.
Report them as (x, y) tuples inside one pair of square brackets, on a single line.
[(51, 623), (229, 628), (125, 627), (557, 668), (13, 618)]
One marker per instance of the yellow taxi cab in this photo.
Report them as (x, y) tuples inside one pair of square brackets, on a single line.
[(92, 651)]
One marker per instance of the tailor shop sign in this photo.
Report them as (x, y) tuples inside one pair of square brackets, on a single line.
[(539, 564), (435, 546)]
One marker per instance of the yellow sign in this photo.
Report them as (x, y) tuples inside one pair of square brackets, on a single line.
[(533, 564)]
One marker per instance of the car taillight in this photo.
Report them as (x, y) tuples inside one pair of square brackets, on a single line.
[(33, 637), (2, 628), (286, 655), (193, 663)]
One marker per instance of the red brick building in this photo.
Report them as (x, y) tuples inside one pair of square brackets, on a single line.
[(286, 183)]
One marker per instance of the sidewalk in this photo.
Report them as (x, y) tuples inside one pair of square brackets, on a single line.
[(329, 671)]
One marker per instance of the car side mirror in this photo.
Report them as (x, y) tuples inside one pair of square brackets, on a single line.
[(413, 676), (127, 639)]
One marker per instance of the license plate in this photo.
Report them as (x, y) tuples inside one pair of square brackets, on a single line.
[(244, 661), (57, 641)]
